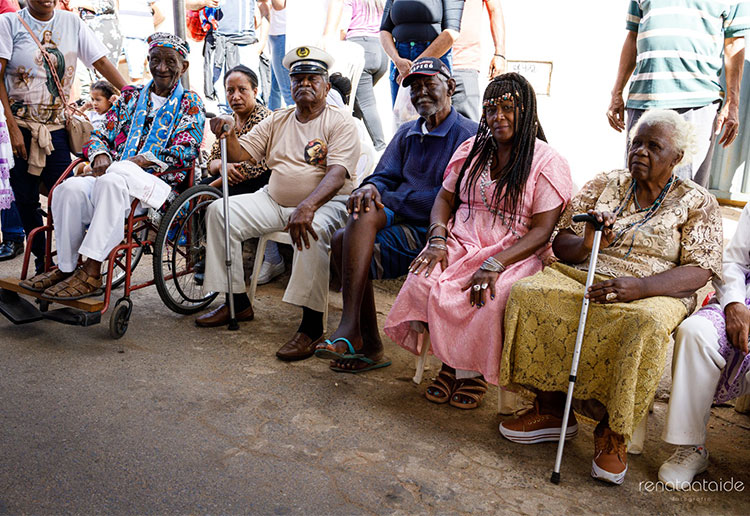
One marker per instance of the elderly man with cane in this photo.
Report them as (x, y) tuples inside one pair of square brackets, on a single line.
[(312, 150)]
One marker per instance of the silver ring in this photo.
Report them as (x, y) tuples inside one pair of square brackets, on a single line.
[(476, 287), (611, 296), (485, 285)]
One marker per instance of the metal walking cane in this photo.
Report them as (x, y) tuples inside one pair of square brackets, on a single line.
[(225, 195), (598, 227)]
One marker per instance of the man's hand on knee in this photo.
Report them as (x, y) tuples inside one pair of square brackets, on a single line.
[(738, 325), (300, 224), (362, 199), (100, 164)]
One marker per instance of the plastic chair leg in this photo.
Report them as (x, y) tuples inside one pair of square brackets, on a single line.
[(635, 446), (742, 405), (421, 358), (259, 253)]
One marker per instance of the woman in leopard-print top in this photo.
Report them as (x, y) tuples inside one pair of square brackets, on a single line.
[(241, 85)]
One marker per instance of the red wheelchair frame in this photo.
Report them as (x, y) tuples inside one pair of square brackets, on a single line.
[(88, 311)]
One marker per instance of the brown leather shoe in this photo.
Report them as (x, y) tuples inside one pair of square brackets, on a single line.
[(220, 317), (299, 348), (610, 462)]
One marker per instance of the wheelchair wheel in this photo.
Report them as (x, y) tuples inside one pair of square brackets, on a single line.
[(118, 271), (118, 321), (180, 246)]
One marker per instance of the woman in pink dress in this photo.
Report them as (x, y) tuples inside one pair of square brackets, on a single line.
[(484, 235)]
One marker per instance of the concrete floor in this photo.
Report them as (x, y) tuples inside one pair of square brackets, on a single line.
[(193, 421)]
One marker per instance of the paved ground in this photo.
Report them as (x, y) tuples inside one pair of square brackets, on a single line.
[(208, 421)]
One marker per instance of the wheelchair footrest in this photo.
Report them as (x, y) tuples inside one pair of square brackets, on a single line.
[(18, 310), (73, 316)]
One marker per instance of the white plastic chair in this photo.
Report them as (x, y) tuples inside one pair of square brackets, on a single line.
[(349, 62), (365, 166)]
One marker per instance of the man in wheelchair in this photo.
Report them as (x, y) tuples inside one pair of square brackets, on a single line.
[(149, 130), (312, 150)]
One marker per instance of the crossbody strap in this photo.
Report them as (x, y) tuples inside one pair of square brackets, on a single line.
[(48, 59)]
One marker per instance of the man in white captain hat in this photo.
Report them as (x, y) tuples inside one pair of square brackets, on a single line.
[(312, 149)]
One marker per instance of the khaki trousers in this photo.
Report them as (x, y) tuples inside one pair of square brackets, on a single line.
[(253, 215)]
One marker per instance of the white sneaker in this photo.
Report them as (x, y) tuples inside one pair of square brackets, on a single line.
[(268, 271), (686, 462)]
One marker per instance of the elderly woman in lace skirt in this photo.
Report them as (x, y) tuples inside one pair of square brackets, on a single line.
[(662, 242)]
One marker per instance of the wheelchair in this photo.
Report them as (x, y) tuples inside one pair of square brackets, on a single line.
[(176, 241)]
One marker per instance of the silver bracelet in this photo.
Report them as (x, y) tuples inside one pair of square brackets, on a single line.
[(438, 225), (434, 245), (492, 265)]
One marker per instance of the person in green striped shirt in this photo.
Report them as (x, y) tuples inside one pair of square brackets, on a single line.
[(673, 56)]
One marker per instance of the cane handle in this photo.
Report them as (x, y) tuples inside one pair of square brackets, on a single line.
[(585, 217)]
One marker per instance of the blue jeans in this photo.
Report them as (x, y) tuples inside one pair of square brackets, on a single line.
[(411, 50), (280, 84), (10, 221)]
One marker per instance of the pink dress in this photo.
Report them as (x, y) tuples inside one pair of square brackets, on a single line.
[(463, 336)]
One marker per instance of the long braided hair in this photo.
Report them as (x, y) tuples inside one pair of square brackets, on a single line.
[(511, 181)]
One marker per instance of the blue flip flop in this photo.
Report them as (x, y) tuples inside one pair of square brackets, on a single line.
[(332, 355), (372, 364)]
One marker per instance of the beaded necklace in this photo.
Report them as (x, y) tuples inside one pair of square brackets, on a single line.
[(484, 181), (650, 211)]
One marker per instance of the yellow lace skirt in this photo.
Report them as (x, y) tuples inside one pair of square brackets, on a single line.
[(624, 347)]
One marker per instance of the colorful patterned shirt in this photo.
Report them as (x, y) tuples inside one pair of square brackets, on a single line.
[(181, 148), (680, 50)]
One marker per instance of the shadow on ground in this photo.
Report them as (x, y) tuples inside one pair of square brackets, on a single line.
[(192, 420)]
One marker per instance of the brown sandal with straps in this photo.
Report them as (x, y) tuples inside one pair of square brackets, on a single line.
[(77, 286), (443, 385), (469, 392), (44, 280)]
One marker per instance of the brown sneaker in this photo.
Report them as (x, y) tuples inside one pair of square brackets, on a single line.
[(534, 427), (610, 456)]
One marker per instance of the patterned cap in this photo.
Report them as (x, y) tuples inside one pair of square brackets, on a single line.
[(165, 39)]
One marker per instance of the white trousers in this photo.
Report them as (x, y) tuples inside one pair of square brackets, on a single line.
[(696, 369), (256, 214), (89, 211)]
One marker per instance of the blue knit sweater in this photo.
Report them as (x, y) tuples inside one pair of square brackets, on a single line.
[(410, 172)]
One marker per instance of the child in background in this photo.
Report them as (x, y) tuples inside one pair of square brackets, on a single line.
[(103, 95)]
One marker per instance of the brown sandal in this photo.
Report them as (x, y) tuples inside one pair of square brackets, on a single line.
[(443, 385), (44, 280), (469, 392), (77, 286)]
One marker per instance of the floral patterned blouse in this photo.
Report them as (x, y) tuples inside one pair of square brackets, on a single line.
[(181, 149), (247, 170), (685, 230)]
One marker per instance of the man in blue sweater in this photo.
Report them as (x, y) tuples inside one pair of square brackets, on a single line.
[(390, 211)]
